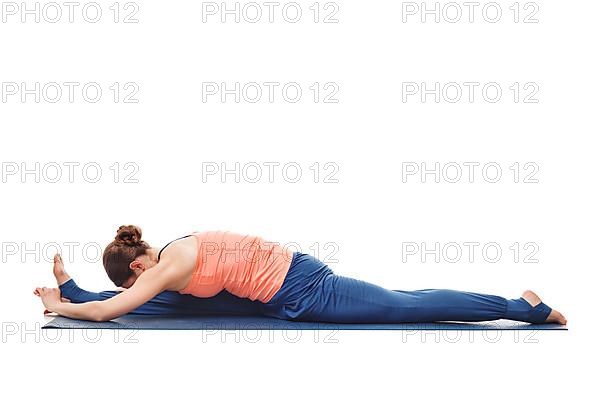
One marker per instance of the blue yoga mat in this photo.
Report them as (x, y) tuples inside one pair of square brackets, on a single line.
[(229, 322)]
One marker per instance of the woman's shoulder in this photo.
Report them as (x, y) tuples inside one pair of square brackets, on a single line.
[(178, 261), (179, 248)]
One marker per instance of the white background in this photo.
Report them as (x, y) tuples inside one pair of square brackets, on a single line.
[(170, 134)]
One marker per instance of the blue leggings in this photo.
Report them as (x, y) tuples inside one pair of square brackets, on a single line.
[(312, 292)]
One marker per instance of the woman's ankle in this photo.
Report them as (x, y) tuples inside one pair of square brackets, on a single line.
[(61, 278)]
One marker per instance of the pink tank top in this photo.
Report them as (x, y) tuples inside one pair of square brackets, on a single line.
[(246, 266)]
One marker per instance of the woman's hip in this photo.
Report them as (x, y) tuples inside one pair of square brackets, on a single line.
[(303, 280)]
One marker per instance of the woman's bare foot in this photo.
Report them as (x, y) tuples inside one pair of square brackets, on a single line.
[(534, 300), (59, 270)]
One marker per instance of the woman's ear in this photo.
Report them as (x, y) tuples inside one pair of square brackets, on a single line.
[(137, 265)]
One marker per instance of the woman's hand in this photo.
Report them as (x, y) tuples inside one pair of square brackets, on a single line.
[(50, 297), (152, 282)]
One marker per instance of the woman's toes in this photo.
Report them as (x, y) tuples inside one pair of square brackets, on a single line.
[(556, 317), (561, 319), (59, 268)]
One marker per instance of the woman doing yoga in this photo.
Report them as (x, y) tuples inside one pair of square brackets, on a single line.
[(245, 273)]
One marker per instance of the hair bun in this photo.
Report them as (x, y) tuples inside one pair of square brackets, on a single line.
[(129, 235)]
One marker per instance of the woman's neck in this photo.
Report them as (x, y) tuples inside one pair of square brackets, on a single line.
[(153, 253)]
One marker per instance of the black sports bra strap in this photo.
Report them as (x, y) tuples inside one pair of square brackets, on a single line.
[(165, 246)]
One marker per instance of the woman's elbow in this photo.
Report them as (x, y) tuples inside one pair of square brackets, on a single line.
[(99, 314), (99, 318)]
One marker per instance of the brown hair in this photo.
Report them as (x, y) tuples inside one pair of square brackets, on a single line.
[(118, 255)]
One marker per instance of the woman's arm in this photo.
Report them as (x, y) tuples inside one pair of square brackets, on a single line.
[(152, 282), (170, 303)]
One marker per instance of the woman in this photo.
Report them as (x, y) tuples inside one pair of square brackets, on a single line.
[(164, 303), (287, 285)]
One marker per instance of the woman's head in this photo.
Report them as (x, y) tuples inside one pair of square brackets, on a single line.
[(126, 257)]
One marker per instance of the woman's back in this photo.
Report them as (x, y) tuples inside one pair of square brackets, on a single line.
[(246, 266)]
